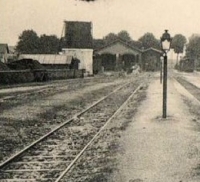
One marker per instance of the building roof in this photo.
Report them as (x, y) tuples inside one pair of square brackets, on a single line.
[(77, 34), (3, 47), (48, 58), (119, 47), (153, 49), (122, 42)]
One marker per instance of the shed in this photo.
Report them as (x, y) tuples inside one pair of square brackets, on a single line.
[(119, 55)]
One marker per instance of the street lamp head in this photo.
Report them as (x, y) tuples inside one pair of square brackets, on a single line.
[(165, 41)]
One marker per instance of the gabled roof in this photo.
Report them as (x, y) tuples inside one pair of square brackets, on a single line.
[(122, 42), (153, 49), (3, 47)]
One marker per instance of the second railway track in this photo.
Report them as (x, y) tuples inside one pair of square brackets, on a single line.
[(50, 157), (193, 89)]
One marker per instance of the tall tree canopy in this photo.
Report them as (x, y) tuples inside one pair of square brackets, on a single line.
[(178, 43), (124, 35), (193, 47), (98, 43), (136, 44), (28, 42), (148, 40), (110, 38), (49, 44)]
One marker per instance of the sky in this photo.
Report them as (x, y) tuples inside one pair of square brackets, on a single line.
[(135, 16)]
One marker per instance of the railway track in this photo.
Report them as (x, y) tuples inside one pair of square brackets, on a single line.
[(27, 91), (18, 96), (193, 89), (54, 154)]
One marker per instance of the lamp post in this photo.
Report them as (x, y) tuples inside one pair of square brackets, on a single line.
[(161, 67), (165, 45)]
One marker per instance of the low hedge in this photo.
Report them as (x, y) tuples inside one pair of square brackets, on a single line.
[(3, 66), (11, 77), (25, 76)]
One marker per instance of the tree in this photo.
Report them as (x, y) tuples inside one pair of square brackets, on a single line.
[(28, 42), (193, 48), (49, 44), (124, 35), (111, 37), (178, 43), (148, 40), (136, 44), (98, 43)]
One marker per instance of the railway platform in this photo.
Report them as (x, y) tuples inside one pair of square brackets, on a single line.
[(162, 150)]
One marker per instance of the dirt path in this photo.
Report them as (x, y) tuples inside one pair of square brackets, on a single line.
[(30, 111), (157, 150)]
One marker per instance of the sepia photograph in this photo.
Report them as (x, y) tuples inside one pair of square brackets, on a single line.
[(99, 91)]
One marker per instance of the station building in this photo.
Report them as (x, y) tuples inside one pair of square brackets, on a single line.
[(117, 56), (121, 56)]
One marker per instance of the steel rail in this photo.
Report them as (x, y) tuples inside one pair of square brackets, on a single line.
[(96, 135), (10, 159), (193, 96)]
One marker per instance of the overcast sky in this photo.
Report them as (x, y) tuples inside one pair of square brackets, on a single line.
[(135, 16)]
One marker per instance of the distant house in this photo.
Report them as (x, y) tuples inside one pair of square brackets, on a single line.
[(4, 53), (151, 59), (117, 56), (11, 49), (12, 56)]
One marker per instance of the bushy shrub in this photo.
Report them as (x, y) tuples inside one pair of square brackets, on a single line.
[(25, 76), (3, 66), (11, 77), (40, 75), (24, 64)]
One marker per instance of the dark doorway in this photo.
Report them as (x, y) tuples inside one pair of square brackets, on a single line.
[(108, 62), (74, 63), (129, 61)]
